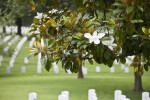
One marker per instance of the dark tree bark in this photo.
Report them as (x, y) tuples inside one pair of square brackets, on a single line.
[(137, 83), (80, 73), (19, 25), (4, 29), (138, 80)]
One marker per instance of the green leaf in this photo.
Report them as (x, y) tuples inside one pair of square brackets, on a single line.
[(77, 19), (32, 54), (117, 11), (85, 16), (79, 43), (43, 60), (117, 4), (77, 37), (50, 42), (145, 30), (129, 9), (48, 65), (90, 61), (137, 21), (36, 21), (66, 19), (107, 55), (140, 7), (146, 67), (123, 60)]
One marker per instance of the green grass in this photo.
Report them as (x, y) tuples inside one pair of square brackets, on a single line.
[(17, 86)]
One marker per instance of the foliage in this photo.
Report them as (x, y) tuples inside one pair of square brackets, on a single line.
[(64, 32)]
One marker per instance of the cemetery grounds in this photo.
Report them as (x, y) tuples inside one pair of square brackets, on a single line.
[(48, 85)]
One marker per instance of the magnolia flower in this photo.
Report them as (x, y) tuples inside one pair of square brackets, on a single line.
[(109, 43), (95, 37), (39, 15)]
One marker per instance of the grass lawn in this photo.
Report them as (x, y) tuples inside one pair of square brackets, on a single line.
[(17, 86)]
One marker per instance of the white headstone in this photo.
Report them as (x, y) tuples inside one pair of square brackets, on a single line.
[(92, 94), (122, 66), (117, 94), (1, 58), (39, 66), (84, 70), (122, 97), (126, 69), (97, 69), (116, 63), (68, 71), (56, 68), (23, 69), (112, 69), (26, 60), (65, 94), (145, 96), (32, 96), (8, 70)]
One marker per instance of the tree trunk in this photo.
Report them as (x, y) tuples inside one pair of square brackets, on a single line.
[(138, 83), (4, 29), (80, 73), (138, 80), (19, 25)]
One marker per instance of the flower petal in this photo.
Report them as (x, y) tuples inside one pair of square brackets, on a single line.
[(91, 40), (105, 42), (96, 41), (110, 47), (95, 33), (100, 35), (87, 35)]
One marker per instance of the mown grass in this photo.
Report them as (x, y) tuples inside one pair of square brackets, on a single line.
[(48, 85)]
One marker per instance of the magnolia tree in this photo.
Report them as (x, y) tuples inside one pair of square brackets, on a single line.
[(73, 36), (70, 37)]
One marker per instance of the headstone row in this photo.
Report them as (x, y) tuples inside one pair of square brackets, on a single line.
[(17, 49), (10, 43), (6, 38), (64, 95)]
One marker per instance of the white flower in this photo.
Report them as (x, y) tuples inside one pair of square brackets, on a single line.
[(44, 15), (95, 37), (109, 43), (39, 15), (53, 11)]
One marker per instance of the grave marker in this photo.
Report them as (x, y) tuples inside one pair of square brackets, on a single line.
[(117, 94), (126, 69), (97, 69), (23, 69), (33, 96), (112, 69), (8, 70), (84, 70), (145, 96), (122, 66), (26, 60)]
